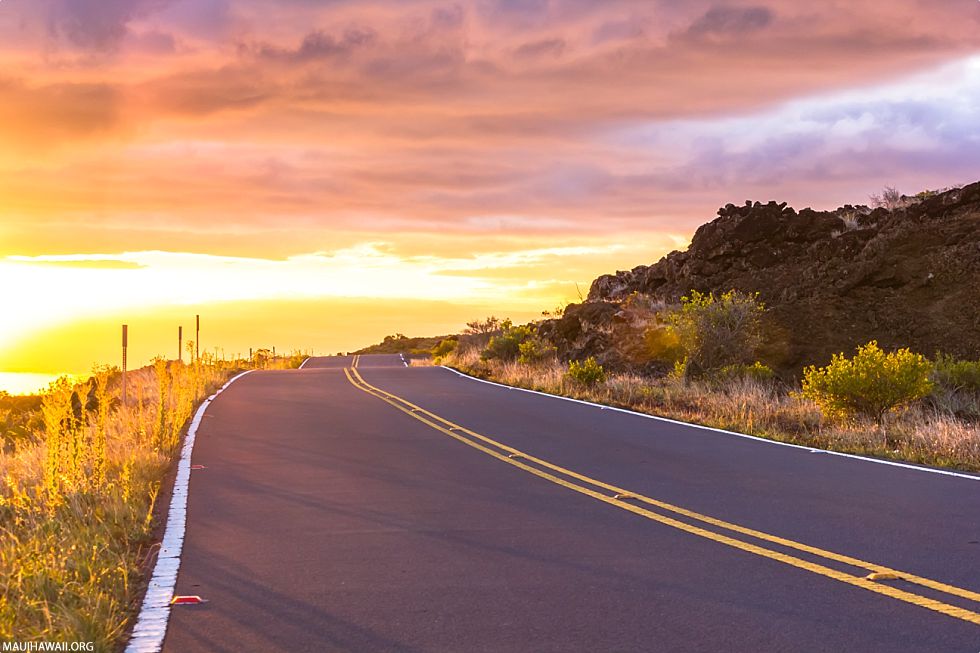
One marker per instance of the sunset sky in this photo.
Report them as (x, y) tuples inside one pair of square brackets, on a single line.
[(317, 174)]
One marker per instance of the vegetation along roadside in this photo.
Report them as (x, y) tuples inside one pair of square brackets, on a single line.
[(80, 474), (894, 404)]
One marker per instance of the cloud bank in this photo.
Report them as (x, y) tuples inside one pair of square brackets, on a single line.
[(272, 128)]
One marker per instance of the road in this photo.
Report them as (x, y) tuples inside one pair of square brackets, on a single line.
[(412, 509)]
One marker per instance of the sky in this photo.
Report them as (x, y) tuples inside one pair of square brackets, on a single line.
[(317, 174)]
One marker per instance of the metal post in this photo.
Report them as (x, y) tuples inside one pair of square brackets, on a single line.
[(180, 344), (197, 340), (125, 344)]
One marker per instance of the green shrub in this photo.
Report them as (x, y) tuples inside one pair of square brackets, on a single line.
[(662, 343), (679, 370), (445, 347), (587, 372), (755, 372), (715, 332), (871, 383), (535, 350), (956, 375), (507, 345)]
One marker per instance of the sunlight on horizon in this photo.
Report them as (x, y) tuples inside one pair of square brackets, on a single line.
[(25, 383), (71, 306)]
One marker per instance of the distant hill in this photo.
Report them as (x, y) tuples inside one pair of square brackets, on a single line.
[(399, 344), (907, 275)]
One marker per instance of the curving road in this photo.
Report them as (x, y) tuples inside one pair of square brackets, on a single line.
[(387, 508)]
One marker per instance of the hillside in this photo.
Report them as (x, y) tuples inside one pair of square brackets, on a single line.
[(400, 344), (907, 276)]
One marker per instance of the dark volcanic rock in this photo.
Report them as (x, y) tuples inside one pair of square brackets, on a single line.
[(831, 279)]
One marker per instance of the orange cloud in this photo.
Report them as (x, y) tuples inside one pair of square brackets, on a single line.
[(466, 108)]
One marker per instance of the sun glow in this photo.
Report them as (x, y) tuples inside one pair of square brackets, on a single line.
[(53, 288), (70, 305)]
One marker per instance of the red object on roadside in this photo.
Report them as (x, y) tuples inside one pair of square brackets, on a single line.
[(198, 467), (187, 600)]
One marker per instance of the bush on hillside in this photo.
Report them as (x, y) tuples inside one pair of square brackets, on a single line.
[(535, 350), (871, 384), (754, 372), (588, 372), (957, 386), (445, 347), (890, 198), (662, 343), (715, 332), (956, 375), (506, 346)]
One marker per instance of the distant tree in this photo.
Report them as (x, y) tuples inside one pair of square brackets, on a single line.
[(889, 198), (483, 327), (261, 357)]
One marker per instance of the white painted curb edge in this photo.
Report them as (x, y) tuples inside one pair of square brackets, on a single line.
[(303, 364), (891, 463), (151, 625)]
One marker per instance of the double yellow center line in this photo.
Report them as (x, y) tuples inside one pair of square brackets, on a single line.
[(355, 361), (626, 500)]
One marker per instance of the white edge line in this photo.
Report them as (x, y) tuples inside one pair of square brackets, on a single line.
[(890, 463), (303, 364), (151, 624)]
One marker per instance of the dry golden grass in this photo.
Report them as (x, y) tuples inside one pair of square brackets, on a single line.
[(76, 505), (76, 501), (291, 362), (919, 434)]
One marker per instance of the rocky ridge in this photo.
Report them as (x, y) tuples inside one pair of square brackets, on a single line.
[(831, 280)]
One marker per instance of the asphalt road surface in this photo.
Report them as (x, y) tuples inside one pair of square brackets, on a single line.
[(412, 509)]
